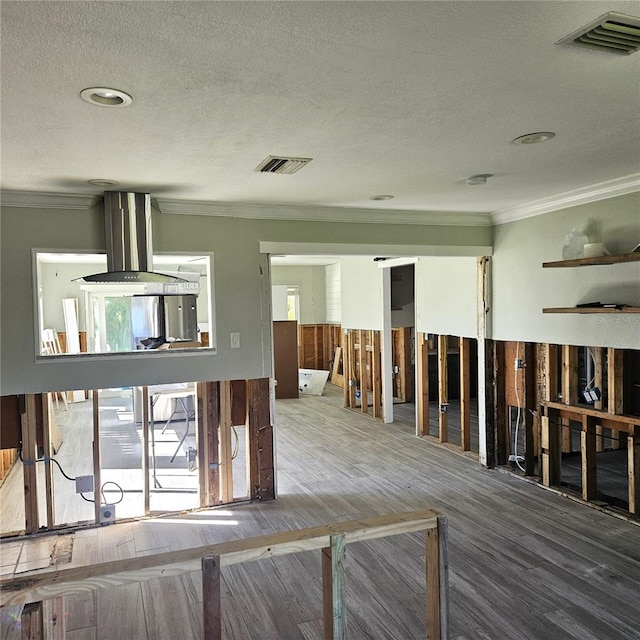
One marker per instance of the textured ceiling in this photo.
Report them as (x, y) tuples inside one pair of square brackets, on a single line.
[(402, 98)]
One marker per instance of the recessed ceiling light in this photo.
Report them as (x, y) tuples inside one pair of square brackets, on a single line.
[(534, 138), (103, 183), (382, 197), (106, 97), (481, 178)]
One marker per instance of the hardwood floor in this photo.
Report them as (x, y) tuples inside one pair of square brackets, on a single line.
[(525, 563)]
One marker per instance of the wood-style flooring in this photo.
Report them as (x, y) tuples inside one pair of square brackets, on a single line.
[(525, 563)]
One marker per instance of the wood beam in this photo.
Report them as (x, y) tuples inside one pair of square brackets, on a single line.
[(97, 481), (588, 454), (422, 385), (529, 407), (32, 621), (346, 391), (465, 395), (443, 390), (333, 589), (47, 417), (54, 619), (376, 375), (211, 602), (362, 362), (550, 441), (498, 379), (146, 425), (615, 373), (598, 379), (260, 450), (29, 471), (437, 578), (569, 388), (633, 469), (208, 445), (226, 462)]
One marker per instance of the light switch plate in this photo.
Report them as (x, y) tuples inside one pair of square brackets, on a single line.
[(235, 340)]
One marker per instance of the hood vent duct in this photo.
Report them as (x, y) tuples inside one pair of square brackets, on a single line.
[(611, 33), (127, 219)]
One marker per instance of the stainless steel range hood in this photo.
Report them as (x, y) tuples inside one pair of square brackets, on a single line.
[(127, 219)]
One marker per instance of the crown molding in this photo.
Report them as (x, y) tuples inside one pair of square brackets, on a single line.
[(322, 214), (594, 193), (42, 200)]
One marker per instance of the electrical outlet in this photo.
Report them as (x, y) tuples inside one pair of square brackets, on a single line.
[(84, 484), (107, 514), (235, 340)]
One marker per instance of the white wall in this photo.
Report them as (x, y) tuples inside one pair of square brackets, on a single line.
[(332, 287), (521, 287), (242, 290), (360, 293), (310, 283), (446, 296)]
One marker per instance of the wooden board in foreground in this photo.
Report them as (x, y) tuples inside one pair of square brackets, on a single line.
[(50, 583)]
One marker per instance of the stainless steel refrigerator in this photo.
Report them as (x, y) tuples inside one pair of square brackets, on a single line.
[(159, 319)]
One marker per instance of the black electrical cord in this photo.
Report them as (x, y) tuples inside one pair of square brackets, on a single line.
[(51, 459)]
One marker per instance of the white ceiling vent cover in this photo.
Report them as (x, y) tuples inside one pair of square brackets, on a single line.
[(281, 164), (612, 33)]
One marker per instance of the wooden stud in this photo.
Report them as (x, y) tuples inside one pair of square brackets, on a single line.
[(335, 371), (362, 361), (422, 385), (615, 382), (146, 425), (32, 621), (29, 471), (443, 390), (376, 375), (346, 364), (465, 395), (333, 589), (550, 441), (633, 469), (260, 440), (437, 578), (497, 377), (529, 406), (588, 453), (551, 372), (211, 602), (97, 482), (487, 402), (47, 415), (598, 358), (208, 446), (569, 388), (54, 619), (226, 463)]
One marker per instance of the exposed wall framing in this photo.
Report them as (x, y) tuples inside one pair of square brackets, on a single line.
[(362, 365), (220, 407), (317, 344)]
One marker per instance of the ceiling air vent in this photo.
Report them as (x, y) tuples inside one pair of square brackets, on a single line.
[(612, 33), (279, 164)]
